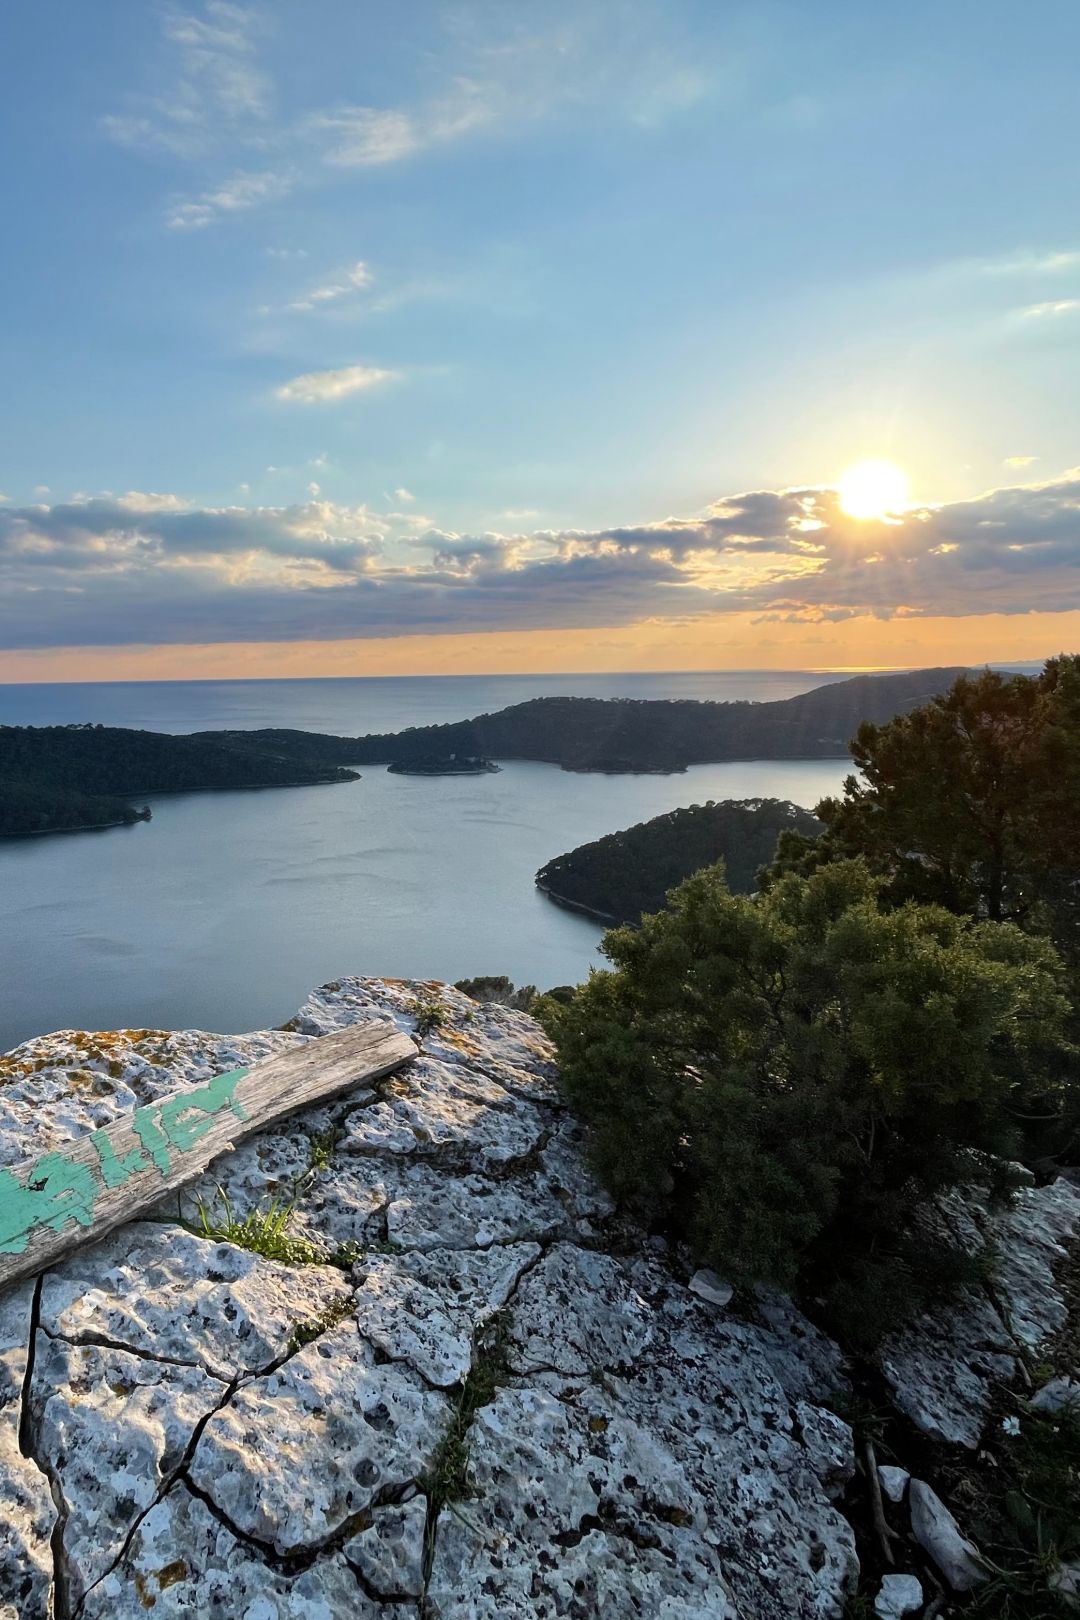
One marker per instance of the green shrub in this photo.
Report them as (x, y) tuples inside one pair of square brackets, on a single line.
[(785, 1079)]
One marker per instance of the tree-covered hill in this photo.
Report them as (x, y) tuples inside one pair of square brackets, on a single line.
[(54, 778), (629, 734), (625, 874)]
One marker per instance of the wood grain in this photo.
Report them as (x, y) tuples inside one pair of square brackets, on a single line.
[(72, 1196)]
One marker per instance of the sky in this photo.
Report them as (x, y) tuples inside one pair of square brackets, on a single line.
[(514, 335)]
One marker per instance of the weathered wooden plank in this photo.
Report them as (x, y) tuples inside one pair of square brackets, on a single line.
[(73, 1196)]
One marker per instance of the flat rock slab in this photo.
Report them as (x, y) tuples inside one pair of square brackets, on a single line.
[(425, 1308), (944, 1369), (160, 1291), (301, 1454), (27, 1511), (183, 1562), (116, 1426)]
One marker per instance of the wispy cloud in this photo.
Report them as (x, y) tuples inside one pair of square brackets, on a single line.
[(322, 387), (1019, 461), (235, 195), (1052, 308), (344, 285), (97, 571), (212, 84), (364, 137)]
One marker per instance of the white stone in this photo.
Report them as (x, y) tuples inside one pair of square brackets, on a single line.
[(707, 1285), (184, 1564), (27, 1512), (576, 1312), (939, 1535), (116, 1426), (1058, 1395), (899, 1596), (388, 1552), (425, 1307), (894, 1482), (160, 1291), (293, 1456)]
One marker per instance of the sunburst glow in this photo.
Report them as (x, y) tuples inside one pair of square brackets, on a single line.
[(873, 489)]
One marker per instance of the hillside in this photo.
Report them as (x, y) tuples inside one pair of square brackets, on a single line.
[(620, 876), (55, 778), (469, 1390), (632, 734)]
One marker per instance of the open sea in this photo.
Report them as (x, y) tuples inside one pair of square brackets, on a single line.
[(226, 908)]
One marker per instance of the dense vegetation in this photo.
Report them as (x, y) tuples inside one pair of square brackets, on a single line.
[(619, 877), (442, 765), (624, 734), (59, 777), (785, 1079)]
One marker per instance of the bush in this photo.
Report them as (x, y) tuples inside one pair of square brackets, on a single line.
[(784, 1079)]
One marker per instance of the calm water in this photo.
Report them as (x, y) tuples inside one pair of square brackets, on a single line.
[(227, 908)]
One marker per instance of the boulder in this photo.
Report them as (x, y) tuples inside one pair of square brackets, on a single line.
[(898, 1596), (939, 1535)]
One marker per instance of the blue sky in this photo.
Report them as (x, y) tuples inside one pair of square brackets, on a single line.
[(407, 297)]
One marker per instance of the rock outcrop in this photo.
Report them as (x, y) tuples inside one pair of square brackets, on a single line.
[(467, 1392), (191, 1428)]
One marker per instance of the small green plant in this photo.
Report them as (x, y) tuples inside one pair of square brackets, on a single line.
[(1030, 1520), (430, 1014), (263, 1231), (446, 1481), (322, 1147), (307, 1332)]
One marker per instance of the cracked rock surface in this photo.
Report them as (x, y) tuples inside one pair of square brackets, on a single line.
[(479, 1397)]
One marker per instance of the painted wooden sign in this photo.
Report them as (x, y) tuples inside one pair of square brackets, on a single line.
[(78, 1193)]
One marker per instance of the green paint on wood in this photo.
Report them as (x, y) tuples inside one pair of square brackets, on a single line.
[(59, 1188)]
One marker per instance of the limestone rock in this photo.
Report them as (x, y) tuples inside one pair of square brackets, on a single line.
[(830, 1447), (297, 1455), (577, 1311), (160, 1291), (708, 1286), (183, 1562), (894, 1482), (388, 1551), (1058, 1395), (899, 1596), (944, 1368), (425, 1307), (116, 1427), (939, 1535), (27, 1511)]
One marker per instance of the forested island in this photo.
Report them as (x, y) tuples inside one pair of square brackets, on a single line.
[(442, 765), (61, 778), (626, 874), (631, 734), (67, 778)]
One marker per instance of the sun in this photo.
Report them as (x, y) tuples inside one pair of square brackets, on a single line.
[(873, 489)]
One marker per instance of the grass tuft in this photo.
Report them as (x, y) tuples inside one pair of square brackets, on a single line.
[(262, 1231)]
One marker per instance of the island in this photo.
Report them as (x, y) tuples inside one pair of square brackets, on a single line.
[(74, 778), (67, 778), (631, 735), (618, 878), (442, 765)]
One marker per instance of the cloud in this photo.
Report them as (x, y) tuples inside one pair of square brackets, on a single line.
[(235, 195), (323, 387), (365, 137), (211, 86), (404, 495), (113, 570), (1019, 461), (343, 285), (1052, 307)]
